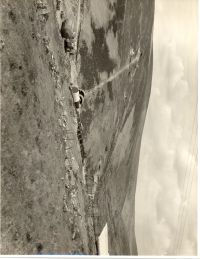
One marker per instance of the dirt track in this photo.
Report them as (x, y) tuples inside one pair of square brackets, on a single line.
[(115, 75)]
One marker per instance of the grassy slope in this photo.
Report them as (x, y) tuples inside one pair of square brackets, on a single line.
[(113, 129), (38, 212)]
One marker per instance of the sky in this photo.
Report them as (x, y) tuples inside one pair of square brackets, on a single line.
[(166, 194)]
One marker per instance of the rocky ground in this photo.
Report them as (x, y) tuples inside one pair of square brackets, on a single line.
[(43, 199)]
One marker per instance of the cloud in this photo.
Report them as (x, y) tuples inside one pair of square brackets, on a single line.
[(166, 150)]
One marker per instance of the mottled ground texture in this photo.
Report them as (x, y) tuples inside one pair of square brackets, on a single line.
[(113, 116), (46, 207)]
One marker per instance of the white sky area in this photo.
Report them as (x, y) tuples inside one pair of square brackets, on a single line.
[(103, 241), (166, 195)]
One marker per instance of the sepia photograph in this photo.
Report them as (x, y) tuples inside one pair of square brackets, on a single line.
[(99, 118)]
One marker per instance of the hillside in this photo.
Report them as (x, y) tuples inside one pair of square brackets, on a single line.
[(55, 199), (42, 192), (114, 113)]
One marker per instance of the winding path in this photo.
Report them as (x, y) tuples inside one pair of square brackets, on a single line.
[(127, 66)]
